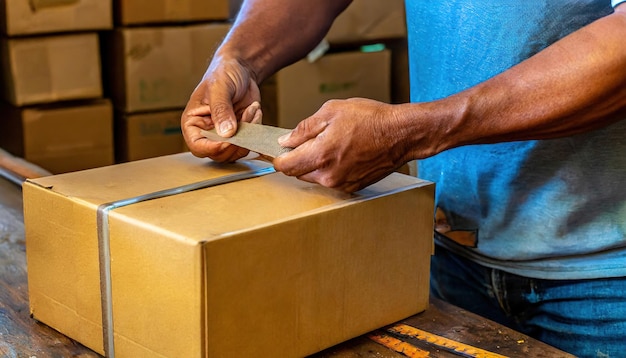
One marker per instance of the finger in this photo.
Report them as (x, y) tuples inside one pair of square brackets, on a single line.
[(199, 145), (200, 111), (204, 113), (238, 153), (299, 161), (202, 147), (324, 178), (252, 113), (217, 151), (317, 177), (307, 129), (258, 117), (230, 153)]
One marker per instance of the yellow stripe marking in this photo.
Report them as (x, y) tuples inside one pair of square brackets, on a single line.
[(408, 331), (397, 345)]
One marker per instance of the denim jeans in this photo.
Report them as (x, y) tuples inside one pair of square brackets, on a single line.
[(584, 317)]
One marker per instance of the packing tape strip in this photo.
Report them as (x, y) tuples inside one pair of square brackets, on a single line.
[(104, 244)]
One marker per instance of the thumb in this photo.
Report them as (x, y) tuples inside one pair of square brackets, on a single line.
[(223, 117)]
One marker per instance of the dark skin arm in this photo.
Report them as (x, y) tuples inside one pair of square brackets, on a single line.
[(576, 85), (266, 36)]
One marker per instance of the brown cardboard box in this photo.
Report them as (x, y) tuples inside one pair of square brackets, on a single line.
[(299, 90), (21, 17), (234, 7), (61, 137), (369, 20), (400, 84), (147, 135), (132, 12), (50, 68), (263, 267), (158, 67)]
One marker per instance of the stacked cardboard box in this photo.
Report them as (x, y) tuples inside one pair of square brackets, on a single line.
[(369, 21), (384, 22), (357, 65), (60, 137), (52, 16), (299, 90), (142, 12), (50, 58), (156, 55), (46, 69)]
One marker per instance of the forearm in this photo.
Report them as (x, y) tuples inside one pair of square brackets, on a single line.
[(576, 85), (270, 34)]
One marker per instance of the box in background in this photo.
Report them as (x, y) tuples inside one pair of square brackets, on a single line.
[(365, 21), (60, 137), (46, 69), (136, 12), (157, 68), (400, 83), (234, 7), (298, 91), (147, 135), (264, 267), (21, 17)]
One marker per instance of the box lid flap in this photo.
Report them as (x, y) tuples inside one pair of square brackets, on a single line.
[(122, 181)]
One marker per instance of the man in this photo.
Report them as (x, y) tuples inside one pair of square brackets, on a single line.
[(516, 114)]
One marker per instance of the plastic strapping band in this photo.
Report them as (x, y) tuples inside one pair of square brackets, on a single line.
[(104, 244)]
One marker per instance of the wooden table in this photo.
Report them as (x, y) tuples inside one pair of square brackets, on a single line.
[(21, 336)]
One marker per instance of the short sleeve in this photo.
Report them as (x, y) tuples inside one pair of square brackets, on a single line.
[(617, 2)]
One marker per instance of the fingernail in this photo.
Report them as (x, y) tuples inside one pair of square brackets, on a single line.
[(226, 127), (258, 117)]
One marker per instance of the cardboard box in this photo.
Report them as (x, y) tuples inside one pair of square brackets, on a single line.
[(147, 135), (21, 17), (263, 267), (157, 68), (298, 91), (133, 12), (365, 21), (400, 84), (50, 68), (234, 7), (60, 138)]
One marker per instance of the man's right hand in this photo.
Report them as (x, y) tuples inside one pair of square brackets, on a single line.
[(228, 92)]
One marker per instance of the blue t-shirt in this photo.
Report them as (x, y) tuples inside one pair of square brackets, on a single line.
[(553, 209)]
